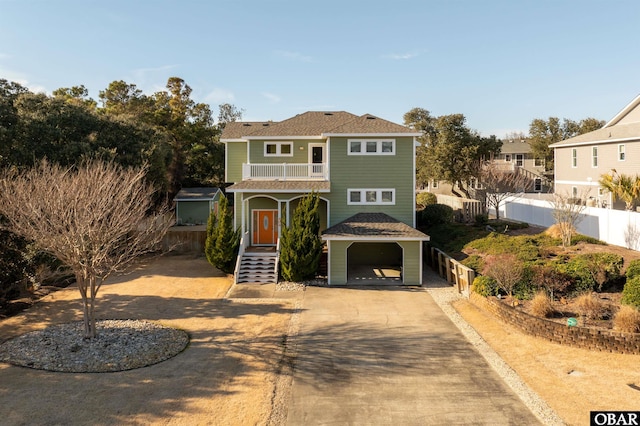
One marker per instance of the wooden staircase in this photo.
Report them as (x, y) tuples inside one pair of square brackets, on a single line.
[(257, 267)]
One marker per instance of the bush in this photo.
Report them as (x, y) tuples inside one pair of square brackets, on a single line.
[(577, 238), (548, 277), (633, 269), (424, 199), (222, 242), (474, 262), (485, 286), (506, 269), (627, 319), (482, 219), (592, 271), (541, 305), (436, 214), (590, 306), (525, 247), (631, 292)]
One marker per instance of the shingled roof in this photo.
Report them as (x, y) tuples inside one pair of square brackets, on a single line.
[(605, 135), (376, 226), (315, 123)]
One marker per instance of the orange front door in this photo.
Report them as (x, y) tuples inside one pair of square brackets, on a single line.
[(265, 227)]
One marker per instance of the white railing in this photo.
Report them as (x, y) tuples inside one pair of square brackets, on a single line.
[(284, 171), (244, 243)]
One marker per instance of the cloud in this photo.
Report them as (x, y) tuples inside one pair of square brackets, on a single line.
[(402, 56), (271, 97), (219, 96), (294, 56), (21, 79)]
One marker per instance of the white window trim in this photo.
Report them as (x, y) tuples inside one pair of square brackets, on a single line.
[(363, 198), (594, 157), (574, 158), (622, 151), (278, 152), (363, 145)]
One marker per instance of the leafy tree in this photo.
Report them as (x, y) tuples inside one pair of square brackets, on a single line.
[(300, 244), (77, 95), (96, 219), (221, 245), (9, 118), (623, 187), (543, 133), (449, 150)]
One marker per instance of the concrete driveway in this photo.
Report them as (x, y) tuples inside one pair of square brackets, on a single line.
[(390, 356)]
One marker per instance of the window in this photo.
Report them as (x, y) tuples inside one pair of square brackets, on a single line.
[(594, 156), (621, 152), (278, 149), (371, 147), (539, 162), (507, 158), (519, 160), (371, 196), (434, 184), (574, 191), (574, 157), (537, 184)]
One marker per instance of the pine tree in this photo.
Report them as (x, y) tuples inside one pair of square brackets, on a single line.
[(300, 243), (221, 245)]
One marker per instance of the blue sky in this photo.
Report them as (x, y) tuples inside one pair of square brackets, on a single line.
[(500, 63)]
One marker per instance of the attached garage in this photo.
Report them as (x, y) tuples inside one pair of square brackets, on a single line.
[(374, 249)]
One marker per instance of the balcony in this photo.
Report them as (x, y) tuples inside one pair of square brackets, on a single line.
[(284, 171)]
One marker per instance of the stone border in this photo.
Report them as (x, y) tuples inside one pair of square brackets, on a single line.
[(580, 337)]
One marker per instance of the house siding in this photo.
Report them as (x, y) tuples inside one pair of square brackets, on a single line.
[(235, 155), (193, 212), (338, 262), (412, 262), (300, 152), (371, 171)]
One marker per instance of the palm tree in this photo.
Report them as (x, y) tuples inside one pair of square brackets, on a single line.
[(623, 187)]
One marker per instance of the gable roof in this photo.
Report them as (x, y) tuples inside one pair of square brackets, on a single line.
[(315, 124), (373, 226), (624, 112), (196, 194)]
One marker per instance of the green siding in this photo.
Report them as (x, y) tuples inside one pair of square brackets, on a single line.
[(412, 262), (193, 212), (372, 171), (338, 262), (236, 154), (256, 152)]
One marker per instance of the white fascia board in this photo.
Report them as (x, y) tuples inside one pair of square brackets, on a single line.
[(596, 142), (279, 138), (624, 111), (278, 191), (369, 238), (371, 135), (233, 140)]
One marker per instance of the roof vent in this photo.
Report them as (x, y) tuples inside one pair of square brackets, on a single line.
[(328, 113), (265, 124), (246, 124), (370, 117)]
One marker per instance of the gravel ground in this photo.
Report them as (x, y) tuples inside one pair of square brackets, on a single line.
[(443, 297), (120, 345)]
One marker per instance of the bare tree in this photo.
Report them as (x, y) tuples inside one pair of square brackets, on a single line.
[(506, 269), (96, 219), (500, 184), (567, 211)]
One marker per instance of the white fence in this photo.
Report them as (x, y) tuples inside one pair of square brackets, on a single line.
[(617, 227)]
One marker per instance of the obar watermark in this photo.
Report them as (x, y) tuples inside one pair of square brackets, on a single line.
[(617, 418)]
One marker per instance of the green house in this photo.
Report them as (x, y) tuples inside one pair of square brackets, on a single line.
[(362, 167), (193, 205)]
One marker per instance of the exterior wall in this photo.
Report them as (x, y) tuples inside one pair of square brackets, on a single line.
[(585, 177), (337, 262), (235, 155), (632, 117), (300, 152), (372, 171), (193, 212), (412, 267)]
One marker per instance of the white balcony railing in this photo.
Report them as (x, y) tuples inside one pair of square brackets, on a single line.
[(284, 171)]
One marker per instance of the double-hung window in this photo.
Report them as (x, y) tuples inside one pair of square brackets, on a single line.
[(371, 147), (278, 149), (371, 196), (574, 157), (594, 156), (621, 152)]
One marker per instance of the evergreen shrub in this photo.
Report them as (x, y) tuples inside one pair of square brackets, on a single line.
[(485, 286), (424, 199), (436, 214), (222, 242), (631, 292)]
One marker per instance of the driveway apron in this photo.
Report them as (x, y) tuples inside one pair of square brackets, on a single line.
[(388, 356)]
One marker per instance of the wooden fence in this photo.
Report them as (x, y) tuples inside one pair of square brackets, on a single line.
[(185, 239), (451, 270), (465, 209)]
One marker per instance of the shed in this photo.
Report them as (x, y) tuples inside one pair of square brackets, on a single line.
[(193, 205)]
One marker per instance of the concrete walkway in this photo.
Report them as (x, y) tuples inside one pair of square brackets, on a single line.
[(389, 356)]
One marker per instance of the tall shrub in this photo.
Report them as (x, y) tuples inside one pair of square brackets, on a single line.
[(300, 244), (631, 292), (221, 245)]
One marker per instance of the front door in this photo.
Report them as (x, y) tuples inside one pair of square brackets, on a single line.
[(316, 154), (265, 227)]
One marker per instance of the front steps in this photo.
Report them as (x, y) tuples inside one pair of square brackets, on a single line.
[(257, 268)]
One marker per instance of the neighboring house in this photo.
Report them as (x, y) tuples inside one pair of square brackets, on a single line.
[(515, 156), (362, 167), (193, 205), (581, 161)]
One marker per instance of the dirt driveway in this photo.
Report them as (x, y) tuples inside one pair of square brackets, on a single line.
[(226, 376)]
